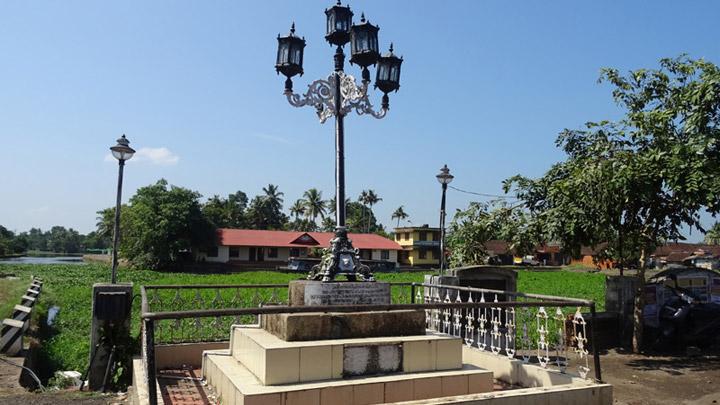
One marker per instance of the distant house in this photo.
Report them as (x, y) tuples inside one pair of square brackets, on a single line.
[(689, 254), (258, 246), (588, 258), (420, 246)]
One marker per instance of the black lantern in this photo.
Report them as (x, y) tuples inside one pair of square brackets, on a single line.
[(388, 72), (364, 45), (339, 20), (290, 54)]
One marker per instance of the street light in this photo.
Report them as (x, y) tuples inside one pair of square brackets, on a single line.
[(122, 152), (444, 178), (336, 97)]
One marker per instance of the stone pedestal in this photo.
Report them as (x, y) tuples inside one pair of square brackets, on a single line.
[(339, 325), (305, 292)]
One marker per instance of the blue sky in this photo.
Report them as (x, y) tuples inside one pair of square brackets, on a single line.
[(486, 87)]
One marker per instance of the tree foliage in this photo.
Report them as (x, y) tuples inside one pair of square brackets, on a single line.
[(712, 236), (636, 183), (162, 224)]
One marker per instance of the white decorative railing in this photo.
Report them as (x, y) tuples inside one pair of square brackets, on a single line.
[(514, 329)]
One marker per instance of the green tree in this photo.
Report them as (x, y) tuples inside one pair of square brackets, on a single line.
[(314, 204), (712, 236), (162, 225), (400, 214), (298, 209), (635, 183), (227, 212), (467, 234)]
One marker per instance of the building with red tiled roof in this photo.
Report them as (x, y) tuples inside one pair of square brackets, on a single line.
[(254, 246)]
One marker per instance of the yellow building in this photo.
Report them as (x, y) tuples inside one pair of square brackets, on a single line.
[(421, 246)]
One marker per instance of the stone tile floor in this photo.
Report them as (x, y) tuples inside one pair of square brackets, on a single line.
[(184, 387)]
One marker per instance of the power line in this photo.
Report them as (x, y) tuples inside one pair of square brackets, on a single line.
[(483, 194)]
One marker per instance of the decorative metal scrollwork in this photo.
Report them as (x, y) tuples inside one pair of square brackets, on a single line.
[(543, 348), (321, 95), (580, 337)]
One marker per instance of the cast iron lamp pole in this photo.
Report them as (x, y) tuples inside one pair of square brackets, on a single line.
[(122, 152), (337, 96), (444, 178)]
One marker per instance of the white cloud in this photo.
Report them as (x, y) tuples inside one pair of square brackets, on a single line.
[(157, 156)]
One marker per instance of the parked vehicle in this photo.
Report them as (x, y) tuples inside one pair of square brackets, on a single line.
[(526, 261), (685, 319)]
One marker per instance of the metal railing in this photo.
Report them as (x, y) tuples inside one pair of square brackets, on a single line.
[(530, 327), (542, 329)]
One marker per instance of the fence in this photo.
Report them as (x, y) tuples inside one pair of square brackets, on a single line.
[(535, 328)]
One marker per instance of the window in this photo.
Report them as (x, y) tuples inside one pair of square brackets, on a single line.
[(234, 251), (423, 253), (273, 252), (294, 252), (212, 252), (384, 255), (436, 236), (407, 235), (423, 235)]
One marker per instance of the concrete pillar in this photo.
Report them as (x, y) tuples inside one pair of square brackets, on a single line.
[(111, 309)]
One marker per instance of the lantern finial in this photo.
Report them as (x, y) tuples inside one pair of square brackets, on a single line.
[(362, 17), (338, 3), (391, 47), (292, 28)]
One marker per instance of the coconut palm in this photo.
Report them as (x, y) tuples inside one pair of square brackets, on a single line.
[(314, 204), (331, 206), (400, 214), (362, 199), (371, 200), (273, 197), (297, 209), (712, 237)]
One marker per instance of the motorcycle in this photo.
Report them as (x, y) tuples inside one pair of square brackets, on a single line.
[(686, 321)]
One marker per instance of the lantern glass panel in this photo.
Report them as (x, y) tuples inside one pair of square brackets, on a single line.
[(283, 53), (296, 55), (330, 23), (395, 73), (383, 72)]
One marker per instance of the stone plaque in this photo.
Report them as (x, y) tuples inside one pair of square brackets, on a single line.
[(347, 293)]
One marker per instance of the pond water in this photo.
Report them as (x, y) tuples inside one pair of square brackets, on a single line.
[(43, 260)]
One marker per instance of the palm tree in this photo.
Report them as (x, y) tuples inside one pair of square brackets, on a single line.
[(399, 214), (297, 209), (273, 197), (363, 199), (712, 237), (331, 206), (372, 199), (314, 204)]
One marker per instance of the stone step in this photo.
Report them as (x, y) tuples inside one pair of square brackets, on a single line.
[(235, 384), (275, 361)]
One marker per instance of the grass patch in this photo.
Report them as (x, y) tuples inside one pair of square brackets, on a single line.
[(70, 287), (10, 292)]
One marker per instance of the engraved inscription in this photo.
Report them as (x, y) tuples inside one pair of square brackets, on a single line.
[(347, 293)]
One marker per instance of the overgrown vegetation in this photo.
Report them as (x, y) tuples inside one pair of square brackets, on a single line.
[(70, 288)]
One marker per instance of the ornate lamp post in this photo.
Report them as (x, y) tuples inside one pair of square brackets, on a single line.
[(122, 152), (336, 97), (444, 177)]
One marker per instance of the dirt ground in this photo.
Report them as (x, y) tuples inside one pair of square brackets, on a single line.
[(663, 379)]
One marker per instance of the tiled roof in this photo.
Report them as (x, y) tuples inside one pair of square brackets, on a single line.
[(252, 237)]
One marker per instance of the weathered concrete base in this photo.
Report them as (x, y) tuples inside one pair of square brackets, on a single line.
[(336, 325), (274, 361), (235, 384), (306, 292)]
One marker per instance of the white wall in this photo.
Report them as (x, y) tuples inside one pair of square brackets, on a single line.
[(377, 255), (222, 257)]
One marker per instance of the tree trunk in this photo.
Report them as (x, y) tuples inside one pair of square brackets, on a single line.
[(639, 305)]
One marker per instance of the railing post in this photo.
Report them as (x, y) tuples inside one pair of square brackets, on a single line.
[(412, 293), (149, 327), (596, 353)]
